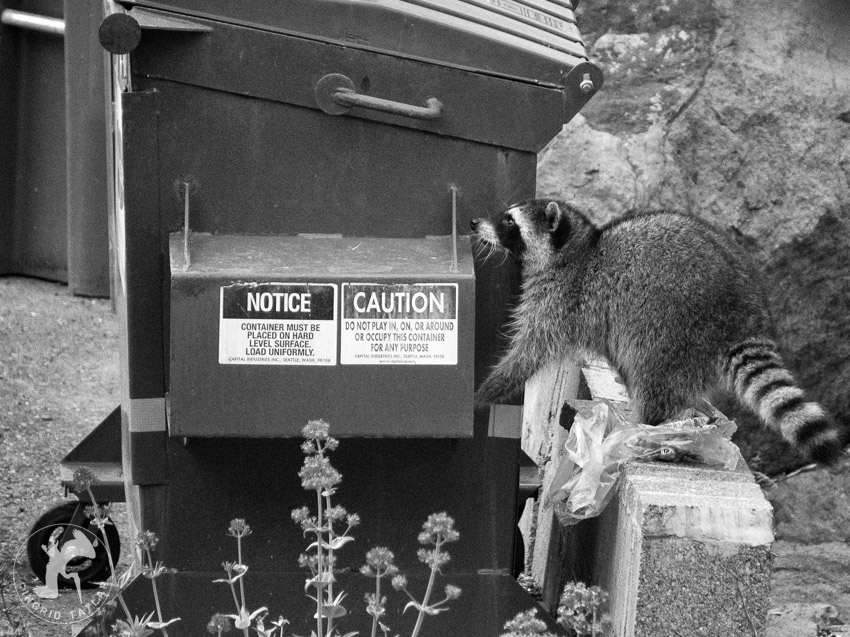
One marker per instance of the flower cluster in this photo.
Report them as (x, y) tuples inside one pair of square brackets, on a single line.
[(239, 528), (317, 474), (83, 479), (147, 540), (379, 562), (526, 624), (580, 609), (438, 529), (219, 624)]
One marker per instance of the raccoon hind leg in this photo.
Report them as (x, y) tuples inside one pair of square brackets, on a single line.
[(658, 396), (655, 404)]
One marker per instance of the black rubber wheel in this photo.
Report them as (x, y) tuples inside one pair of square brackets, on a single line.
[(53, 524)]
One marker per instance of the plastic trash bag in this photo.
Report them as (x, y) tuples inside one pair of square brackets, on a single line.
[(600, 440)]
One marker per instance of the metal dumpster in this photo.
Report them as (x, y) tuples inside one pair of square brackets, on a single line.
[(288, 184)]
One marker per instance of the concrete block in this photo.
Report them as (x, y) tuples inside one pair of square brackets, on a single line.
[(683, 550), (686, 551)]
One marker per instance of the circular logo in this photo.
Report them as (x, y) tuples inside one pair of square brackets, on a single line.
[(67, 563)]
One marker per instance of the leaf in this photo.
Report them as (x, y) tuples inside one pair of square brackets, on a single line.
[(339, 542), (428, 610), (329, 610), (143, 621), (239, 569), (158, 625), (125, 578), (333, 545), (320, 581), (338, 599), (243, 619)]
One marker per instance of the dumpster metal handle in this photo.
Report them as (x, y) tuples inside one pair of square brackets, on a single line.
[(32, 22), (335, 94)]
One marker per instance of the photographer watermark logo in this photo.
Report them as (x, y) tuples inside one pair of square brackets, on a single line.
[(69, 550)]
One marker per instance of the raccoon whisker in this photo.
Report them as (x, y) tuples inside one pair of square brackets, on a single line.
[(487, 249)]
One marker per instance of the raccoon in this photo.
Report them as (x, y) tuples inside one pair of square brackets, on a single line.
[(673, 306)]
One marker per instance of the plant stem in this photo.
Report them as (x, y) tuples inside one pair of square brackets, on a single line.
[(102, 530), (235, 599), (428, 590), (155, 592), (320, 558), (241, 563), (241, 583), (377, 602), (330, 590)]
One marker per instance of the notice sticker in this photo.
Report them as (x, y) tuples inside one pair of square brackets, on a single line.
[(399, 324), (278, 324)]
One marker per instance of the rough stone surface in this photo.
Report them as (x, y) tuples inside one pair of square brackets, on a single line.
[(686, 551), (813, 507), (738, 112), (818, 573), (723, 590), (802, 620)]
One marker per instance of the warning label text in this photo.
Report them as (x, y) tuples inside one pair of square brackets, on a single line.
[(278, 324), (399, 324)]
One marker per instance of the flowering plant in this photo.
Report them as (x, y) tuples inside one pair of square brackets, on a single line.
[(146, 541), (330, 526)]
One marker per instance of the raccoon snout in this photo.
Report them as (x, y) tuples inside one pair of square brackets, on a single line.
[(474, 224)]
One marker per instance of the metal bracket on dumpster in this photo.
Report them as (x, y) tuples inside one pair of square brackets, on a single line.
[(336, 95), (580, 84)]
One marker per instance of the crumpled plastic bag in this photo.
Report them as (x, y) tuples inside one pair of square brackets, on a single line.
[(601, 440)]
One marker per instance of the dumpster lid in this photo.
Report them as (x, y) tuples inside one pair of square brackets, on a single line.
[(533, 40)]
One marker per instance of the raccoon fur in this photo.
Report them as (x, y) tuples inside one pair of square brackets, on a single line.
[(673, 306)]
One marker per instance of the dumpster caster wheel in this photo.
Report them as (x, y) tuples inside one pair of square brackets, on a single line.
[(52, 526)]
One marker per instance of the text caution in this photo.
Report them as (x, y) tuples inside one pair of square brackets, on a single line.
[(398, 324)]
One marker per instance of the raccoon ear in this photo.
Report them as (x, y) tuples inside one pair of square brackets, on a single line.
[(553, 216)]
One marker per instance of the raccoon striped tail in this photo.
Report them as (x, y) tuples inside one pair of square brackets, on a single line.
[(755, 372)]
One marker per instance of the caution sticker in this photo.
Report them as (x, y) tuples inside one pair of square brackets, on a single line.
[(399, 324), (278, 324)]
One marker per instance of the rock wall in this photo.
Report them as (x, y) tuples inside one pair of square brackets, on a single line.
[(738, 112)]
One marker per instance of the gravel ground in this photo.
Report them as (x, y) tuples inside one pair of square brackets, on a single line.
[(59, 377)]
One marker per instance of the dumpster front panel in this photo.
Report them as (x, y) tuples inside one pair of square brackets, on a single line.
[(377, 335), (287, 69), (266, 167)]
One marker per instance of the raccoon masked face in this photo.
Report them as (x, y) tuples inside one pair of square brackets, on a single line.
[(526, 229), (504, 233)]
